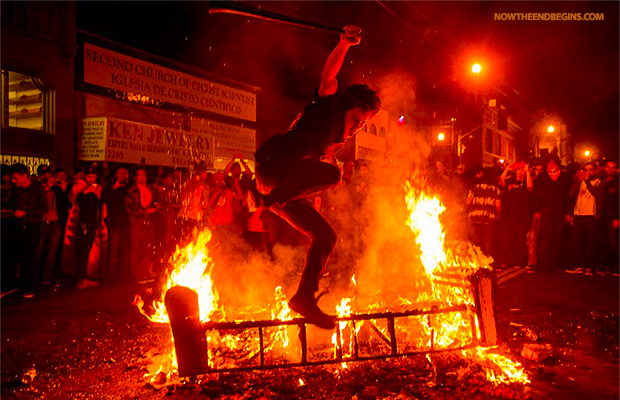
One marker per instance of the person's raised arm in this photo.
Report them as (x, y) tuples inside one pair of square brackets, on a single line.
[(351, 36), (528, 178)]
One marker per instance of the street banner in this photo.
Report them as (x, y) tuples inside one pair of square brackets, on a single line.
[(109, 69)]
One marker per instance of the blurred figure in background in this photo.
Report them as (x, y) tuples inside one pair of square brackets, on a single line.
[(194, 200), (53, 220), (485, 207), (9, 244), (141, 201), (28, 205), (609, 216), (552, 211), (516, 216), (117, 221), (89, 203), (585, 220)]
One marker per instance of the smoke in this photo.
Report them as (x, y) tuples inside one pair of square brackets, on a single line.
[(374, 242), (398, 92), (246, 278)]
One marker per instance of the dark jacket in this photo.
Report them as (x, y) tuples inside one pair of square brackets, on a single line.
[(552, 196), (62, 203), (30, 200), (114, 199), (609, 189)]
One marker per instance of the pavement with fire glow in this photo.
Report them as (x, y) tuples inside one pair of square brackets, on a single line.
[(94, 344)]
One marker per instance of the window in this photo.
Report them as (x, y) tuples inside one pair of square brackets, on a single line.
[(373, 130), (497, 142), (488, 140), (31, 162), (22, 101), (382, 132)]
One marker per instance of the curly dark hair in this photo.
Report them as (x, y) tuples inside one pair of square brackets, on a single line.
[(362, 96)]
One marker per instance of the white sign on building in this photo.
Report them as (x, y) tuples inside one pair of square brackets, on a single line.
[(109, 69)]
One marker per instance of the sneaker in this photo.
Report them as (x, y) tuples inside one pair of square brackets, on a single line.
[(28, 295), (577, 270), (307, 307)]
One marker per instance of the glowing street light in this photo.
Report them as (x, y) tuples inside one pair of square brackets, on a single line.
[(586, 153), (550, 129), (476, 68), (441, 137)]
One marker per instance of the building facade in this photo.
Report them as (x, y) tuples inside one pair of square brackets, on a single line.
[(135, 107)]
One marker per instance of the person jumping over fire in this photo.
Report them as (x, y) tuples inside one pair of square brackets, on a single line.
[(290, 168)]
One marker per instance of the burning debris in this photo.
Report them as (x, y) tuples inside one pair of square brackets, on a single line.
[(453, 310)]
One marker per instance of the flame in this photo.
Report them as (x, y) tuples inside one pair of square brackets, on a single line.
[(444, 330), (192, 268), (281, 312), (500, 369), (424, 222), (342, 310)]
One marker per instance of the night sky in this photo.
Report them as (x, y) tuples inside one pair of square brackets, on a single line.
[(569, 69)]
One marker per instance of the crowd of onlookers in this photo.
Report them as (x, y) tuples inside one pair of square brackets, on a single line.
[(122, 223), (546, 216)]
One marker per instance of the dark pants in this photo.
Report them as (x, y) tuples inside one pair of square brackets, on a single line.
[(550, 241), (288, 184), (511, 246), (483, 235), (28, 240), (613, 244), (10, 254), (609, 244), (293, 179), (84, 239), (585, 241), (118, 252), (141, 253), (48, 248)]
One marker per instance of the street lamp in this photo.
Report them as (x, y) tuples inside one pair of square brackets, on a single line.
[(441, 137), (476, 68), (586, 153), (550, 129)]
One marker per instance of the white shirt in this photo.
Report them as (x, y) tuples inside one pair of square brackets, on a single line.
[(586, 203)]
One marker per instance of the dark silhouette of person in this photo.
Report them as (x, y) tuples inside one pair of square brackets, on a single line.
[(290, 169)]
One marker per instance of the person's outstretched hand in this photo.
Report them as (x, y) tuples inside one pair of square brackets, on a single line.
[(352, 35)]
